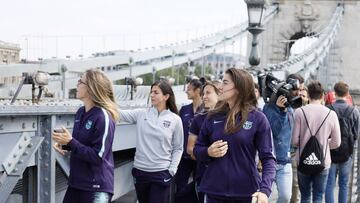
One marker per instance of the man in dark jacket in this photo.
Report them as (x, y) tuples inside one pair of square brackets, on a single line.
[(341, 157)]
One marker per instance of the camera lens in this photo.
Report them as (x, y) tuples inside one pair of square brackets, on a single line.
[(287, 104)]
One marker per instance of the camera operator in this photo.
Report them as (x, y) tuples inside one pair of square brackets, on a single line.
[(303, 92), (279, 114)]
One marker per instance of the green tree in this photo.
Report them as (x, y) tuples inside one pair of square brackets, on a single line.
[(179, 73)]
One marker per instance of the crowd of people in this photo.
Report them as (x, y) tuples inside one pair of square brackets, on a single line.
[(221, 148)]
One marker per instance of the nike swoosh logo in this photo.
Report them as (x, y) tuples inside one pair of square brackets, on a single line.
[(167, 180), (215, 122)]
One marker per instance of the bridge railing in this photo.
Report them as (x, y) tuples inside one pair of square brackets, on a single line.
[(353, 195), (30, 167), (160, 58), (311, 59)]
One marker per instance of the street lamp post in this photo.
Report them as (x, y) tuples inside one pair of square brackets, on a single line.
[(63, 81), (203, 60), (223, 58), (255, 11), (173, 53), (154, 73), (131, 61)]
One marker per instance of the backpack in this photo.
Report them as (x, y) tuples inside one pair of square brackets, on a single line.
[(312, 159), (342, 154)]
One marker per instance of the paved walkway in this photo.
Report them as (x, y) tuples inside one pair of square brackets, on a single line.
[(128, 198), (131, 197)]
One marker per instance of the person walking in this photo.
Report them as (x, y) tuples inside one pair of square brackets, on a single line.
[(317, 123), (341, 158), (280, 116)]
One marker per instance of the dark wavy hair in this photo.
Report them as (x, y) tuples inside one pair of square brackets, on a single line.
[(166, 89), (196, 83)]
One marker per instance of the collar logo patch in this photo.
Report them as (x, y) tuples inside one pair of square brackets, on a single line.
[(88, 124), (247, 125), (166, 124)]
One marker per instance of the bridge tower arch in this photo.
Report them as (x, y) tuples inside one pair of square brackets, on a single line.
[(298, 18)]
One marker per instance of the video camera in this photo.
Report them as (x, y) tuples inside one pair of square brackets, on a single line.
[(271, 88)]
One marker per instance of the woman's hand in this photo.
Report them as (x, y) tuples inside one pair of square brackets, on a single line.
[(59, 149), (62, 138), (261, 197), (218, 149)]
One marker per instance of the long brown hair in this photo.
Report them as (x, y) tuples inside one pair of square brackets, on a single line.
[(166, 89), (244, 103), (101, 91)]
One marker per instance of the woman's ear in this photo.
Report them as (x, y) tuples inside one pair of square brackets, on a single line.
[(198, 91)]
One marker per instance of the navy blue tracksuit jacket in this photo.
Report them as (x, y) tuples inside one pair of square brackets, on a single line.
[(234, 176), (91, 162)]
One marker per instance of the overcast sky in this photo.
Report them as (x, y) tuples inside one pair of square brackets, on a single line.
[(46, 28)]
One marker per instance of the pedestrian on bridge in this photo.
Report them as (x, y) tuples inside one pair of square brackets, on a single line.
[(90, 144), (228, 140), (303, 93), (341, 158), (159, 144), (317, 123), (281, 119)]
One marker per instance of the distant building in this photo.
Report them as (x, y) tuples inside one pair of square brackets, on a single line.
[(9, 53), (220, 62), (217, 61)]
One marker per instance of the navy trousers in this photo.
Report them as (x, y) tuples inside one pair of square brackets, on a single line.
[(188, 194), (74, 195), (152, 187), (210, 199), (185, 192), (185, 168)]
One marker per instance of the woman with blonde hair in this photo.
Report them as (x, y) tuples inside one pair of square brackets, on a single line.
[(90, 144)]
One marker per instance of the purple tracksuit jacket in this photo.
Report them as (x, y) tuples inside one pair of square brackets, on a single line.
[(195, 130), (234, 176), (91, 162)]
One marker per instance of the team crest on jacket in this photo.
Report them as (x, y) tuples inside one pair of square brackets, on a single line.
[(88, 124), (166, 124), (247, 125)]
